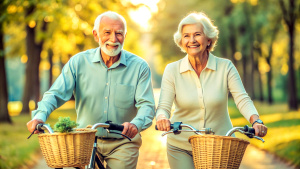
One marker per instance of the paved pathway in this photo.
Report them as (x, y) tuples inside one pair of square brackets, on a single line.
[(153, 155)]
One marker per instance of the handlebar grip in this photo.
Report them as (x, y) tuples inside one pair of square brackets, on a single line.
[(251, 130), (39, 127), (113, 126), (171, 126)]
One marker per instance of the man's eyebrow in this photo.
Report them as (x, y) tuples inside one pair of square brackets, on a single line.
[(119, 31)]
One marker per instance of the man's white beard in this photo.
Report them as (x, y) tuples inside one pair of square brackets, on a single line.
[(112, 52)]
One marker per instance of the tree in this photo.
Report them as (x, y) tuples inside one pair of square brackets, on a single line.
[(4, 116), (33, 50), (290, 15)]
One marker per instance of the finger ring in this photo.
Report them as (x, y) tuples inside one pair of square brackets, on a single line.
[(263, 131)]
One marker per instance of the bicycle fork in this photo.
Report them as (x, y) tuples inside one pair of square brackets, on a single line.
[(92, 160)]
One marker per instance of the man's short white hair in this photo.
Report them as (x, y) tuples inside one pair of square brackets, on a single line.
[(209, 30), (112, 15)]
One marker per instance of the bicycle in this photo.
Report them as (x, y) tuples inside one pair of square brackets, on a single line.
[(94, 161), (213, 151)]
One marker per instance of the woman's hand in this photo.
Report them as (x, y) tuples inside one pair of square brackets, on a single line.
[(163, 123), (260, 129)]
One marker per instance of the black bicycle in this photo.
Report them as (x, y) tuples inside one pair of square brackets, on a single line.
[(95, 162)]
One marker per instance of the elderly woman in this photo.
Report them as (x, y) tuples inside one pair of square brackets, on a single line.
[(198, 84)]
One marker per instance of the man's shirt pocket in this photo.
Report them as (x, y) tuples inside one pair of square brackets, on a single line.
[(124, 96)]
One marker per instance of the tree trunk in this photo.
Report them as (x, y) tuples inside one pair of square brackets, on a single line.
[(50, 56), (4, 116), (260, 87), (290, 15), (251, 80), (269, 74), (32, 82), (292, 99)]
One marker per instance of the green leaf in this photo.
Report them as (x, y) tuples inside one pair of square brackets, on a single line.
[(65, 125)]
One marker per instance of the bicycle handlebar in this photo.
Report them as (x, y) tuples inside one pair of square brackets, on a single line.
[(107, 125), (248, 131), (176, 128), (42, 127)]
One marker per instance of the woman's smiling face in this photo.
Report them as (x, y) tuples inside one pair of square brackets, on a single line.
[(193, 40)]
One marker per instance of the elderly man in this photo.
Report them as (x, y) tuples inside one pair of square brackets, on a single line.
[(108, 84)]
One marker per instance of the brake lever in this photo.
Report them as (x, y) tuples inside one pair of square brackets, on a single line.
[(31, 133), (119, 134)]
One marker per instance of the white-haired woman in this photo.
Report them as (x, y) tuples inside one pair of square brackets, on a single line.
[(198, 84)]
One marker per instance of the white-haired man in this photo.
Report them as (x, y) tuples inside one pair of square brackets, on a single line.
[(108, 83)]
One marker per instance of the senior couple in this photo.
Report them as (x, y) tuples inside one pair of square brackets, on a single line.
[(109, 83)]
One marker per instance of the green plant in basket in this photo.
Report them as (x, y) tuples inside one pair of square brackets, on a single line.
[(65, 125)]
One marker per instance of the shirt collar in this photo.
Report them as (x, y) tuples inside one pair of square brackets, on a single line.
[(122, 60), (96, 57), (185, 64), (212, 62)]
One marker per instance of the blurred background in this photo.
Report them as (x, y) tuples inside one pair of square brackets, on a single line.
[(37, 37)]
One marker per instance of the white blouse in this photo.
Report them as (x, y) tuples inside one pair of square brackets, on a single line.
[(202, 101)]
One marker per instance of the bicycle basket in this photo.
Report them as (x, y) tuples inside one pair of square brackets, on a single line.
[(72, 149), (211, 151)]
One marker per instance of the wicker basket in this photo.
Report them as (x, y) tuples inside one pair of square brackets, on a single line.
[(72, 149), (210, 151)]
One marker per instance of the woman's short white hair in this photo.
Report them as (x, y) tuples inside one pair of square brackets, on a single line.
[(209, 30), (112, 15)]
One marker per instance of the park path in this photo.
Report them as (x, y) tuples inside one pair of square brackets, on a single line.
[(153, 153)]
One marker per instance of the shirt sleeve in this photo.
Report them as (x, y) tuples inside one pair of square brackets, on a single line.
[(167, 93), (144, 100), (57, 95), (240, 96)]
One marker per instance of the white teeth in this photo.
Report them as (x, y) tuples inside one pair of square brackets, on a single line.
[(193, 46)]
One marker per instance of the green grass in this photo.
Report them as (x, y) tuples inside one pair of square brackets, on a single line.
[(291, 148), (15, 149), (283, 138)]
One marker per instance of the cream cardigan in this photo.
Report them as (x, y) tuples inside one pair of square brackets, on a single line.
[(202, 101)]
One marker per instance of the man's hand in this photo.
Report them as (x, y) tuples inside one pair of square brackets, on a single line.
[(129, 130), (31, 125), (163, 123)]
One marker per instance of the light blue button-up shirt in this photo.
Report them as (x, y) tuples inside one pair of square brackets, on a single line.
[(121, 93)]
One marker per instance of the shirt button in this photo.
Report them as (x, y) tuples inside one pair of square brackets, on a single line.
[(105, 111), (105, 97), (106, 84)]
